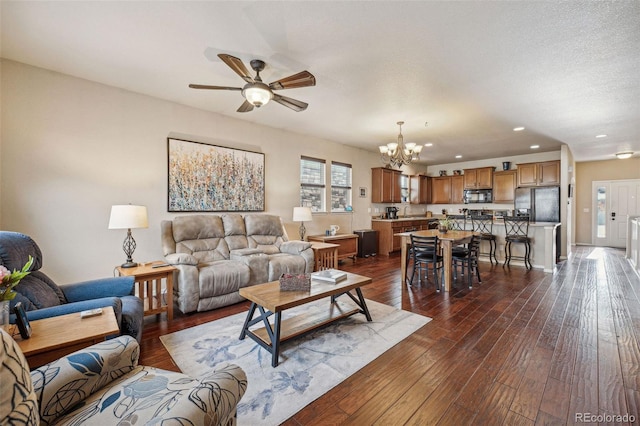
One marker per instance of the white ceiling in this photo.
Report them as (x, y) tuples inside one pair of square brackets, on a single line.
[(473, 70)]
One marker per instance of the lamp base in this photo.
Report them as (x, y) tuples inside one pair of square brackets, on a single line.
[(129, 265)]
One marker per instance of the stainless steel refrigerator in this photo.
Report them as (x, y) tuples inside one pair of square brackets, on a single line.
[(541, 204)]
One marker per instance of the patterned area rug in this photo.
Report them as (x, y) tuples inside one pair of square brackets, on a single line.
[(310, 365)]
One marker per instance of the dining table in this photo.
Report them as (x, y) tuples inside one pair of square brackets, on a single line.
[(448, 239)]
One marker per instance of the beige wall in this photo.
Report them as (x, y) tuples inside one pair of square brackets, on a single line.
[(71, 148), (590, 171)]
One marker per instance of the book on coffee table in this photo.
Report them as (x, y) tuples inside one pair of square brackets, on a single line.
[(329, 275)]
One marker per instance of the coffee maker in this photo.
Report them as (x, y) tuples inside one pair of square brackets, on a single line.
[(392, 212)]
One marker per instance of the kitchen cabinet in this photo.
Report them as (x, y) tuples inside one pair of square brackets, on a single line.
[(447, 190), (480, 178), (420, 190), (457, 189), (546, 173), (440, 190), (385, 185), (504, 186), (387, 228)]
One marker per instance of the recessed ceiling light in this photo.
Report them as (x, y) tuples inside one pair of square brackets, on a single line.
[(428, 144), (458, 156), (601, 136), (518, 129), (534, 146), (624, 155)]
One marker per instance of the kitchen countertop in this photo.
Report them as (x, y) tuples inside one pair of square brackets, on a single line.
[(405, 219)]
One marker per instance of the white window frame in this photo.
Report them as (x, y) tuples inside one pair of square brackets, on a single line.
[(306, 186), (348, 187)]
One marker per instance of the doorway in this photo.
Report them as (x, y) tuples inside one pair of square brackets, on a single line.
[(613, 202)]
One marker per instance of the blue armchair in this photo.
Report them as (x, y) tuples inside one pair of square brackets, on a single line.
[(42, 298)]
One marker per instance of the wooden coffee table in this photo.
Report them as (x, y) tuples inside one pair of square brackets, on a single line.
[(269, 300), (55, 337)]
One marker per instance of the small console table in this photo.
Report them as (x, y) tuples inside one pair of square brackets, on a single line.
[(348, 244)]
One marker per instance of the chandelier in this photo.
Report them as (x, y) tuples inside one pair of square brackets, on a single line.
[(397, 153)]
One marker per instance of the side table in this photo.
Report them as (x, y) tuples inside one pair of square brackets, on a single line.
[(149, 286), (55, 337), (348, 243), (325, 255)]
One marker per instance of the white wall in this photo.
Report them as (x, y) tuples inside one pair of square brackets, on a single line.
[(71, 148)]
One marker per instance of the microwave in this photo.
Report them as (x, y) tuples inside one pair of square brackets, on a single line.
[(478, 196)]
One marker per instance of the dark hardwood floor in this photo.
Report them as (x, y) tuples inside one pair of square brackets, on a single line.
[(523, 347)]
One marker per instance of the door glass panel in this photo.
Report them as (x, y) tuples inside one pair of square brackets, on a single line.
[(602, 212)]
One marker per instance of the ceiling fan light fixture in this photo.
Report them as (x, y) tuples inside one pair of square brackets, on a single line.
[(257, 95), (624, 155)]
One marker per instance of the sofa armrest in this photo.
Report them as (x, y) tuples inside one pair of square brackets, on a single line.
[(62, 384), (294, 247), (226, 384), (181, 259), (70, 308), (95, 289)]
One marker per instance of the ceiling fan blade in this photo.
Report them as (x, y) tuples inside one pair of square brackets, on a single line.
[(294, 104), (204, 86), (302, 79), (236, 65), (245, 107)]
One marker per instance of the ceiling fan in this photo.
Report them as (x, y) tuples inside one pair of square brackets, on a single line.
[(255, 92)]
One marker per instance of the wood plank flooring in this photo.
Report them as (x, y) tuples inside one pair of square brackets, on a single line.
[(522, 348)]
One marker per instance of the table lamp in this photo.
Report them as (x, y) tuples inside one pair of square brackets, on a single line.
[(302, 215), (128, 217)]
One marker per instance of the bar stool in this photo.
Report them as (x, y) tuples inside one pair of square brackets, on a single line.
[(517, 231), (483, 224)]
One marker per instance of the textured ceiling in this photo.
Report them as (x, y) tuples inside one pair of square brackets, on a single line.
[(473, 70)]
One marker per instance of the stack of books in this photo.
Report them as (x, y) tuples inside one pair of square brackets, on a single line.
[(329, 275)]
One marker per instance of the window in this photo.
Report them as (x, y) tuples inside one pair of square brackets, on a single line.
[(312, 184), (340, 186)]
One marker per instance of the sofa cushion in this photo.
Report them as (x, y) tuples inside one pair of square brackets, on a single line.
[(222, 277), (235, 231)]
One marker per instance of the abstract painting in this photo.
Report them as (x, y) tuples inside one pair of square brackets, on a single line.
[(211, 178)]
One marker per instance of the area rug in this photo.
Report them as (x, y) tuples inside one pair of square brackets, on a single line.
[(310, 365)]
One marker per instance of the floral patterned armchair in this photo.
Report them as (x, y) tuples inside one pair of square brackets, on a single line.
[(103, 384)]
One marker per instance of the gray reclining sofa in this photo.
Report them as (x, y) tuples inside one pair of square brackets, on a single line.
[(216, 255)]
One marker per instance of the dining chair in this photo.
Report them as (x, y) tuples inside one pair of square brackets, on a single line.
[(517, 231), (425, 253), (483, 224), (469, 260)]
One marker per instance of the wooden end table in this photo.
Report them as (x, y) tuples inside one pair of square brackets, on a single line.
[(325, 255), (149, 286), (269, 300), (348, 244), (55, 337)]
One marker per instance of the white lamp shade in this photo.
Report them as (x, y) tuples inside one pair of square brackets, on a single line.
[(302, 214), (128, 217)]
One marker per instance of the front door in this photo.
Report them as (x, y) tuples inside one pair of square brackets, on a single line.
[(613, 202)]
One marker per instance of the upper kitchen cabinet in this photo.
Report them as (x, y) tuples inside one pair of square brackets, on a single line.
[(447, 190), (546, 173), (504, 186), (420, 190), (480, 178), (385, 185)]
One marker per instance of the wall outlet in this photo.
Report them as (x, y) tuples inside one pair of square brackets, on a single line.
[(369, 210), (377, 210), (585, 210)]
